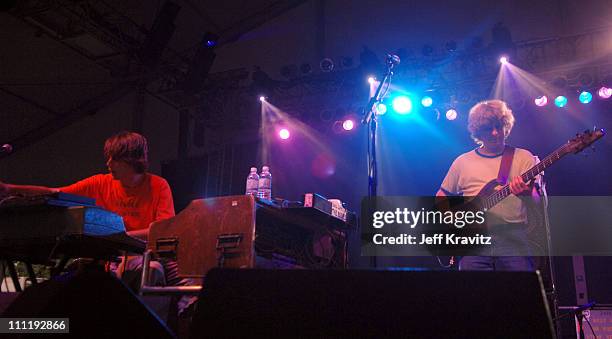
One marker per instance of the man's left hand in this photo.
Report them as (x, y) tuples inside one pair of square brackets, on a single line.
[(519, 188)]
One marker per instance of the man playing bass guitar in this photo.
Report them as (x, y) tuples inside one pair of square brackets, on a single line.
[(490, 123)]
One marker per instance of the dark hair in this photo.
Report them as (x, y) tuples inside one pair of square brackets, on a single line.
[(130, 147)]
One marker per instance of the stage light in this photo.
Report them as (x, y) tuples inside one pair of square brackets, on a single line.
[(402, 104), (262, 98), (381, 109), (585, 97), (210, 39), (284, 134), (605, 92), (426, 101), (305, 68), (503, 60), (560, 101), (371, 80), (348, 125), (451, 114), (326, 65), (541, 101)]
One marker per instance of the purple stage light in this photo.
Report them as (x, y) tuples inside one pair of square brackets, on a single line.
[(284, 134), (348, 124), (541, 101), (605, 92)]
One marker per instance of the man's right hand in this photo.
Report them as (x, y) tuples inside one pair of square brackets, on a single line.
[(26, 190)]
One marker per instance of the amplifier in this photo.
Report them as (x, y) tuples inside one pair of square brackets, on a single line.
[(233, 231), (332, 207)]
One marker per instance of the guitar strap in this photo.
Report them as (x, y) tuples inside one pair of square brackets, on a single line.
[(506, 162)]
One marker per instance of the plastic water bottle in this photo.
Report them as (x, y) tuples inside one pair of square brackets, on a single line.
[(264, 190), (252, 182)]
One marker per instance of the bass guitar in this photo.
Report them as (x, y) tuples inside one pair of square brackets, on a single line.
[(493, 193)]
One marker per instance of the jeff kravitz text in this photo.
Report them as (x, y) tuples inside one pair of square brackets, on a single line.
[(436, 239), (411, 219)]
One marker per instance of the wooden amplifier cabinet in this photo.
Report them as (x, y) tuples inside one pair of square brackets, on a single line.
[(234, 231)]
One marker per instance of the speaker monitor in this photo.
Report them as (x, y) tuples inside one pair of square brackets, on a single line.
[(375, 304), (97, 304)]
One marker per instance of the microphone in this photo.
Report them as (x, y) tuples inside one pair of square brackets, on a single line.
[(393, 59), (6, 149), (584, 307)]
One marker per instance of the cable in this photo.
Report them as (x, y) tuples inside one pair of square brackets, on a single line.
[(451, 262), (591, 327)]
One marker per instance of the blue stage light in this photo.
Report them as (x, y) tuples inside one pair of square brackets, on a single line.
[(426, 101), (381, 109), (585, 97), (402, 104), (560, 101)]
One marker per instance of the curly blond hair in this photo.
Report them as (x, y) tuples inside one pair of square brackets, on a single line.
[(488, 113)]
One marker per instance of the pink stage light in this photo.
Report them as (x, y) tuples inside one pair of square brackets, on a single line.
[(348, 125), (451, 114), (605, 92), (284, 134), (541, 101)]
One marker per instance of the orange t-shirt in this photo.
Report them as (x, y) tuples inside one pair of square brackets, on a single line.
[(139, 206)]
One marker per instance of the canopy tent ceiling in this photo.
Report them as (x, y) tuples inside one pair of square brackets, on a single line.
[(91, 53)]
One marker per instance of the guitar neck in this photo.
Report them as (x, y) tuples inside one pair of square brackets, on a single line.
[(544, 164), (531, 173)]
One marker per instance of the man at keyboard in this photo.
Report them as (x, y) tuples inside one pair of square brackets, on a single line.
[(128, 190)]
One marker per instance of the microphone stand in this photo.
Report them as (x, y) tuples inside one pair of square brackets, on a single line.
[(370, 119)]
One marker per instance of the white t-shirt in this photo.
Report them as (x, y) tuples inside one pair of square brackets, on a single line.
[(471, 171)]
